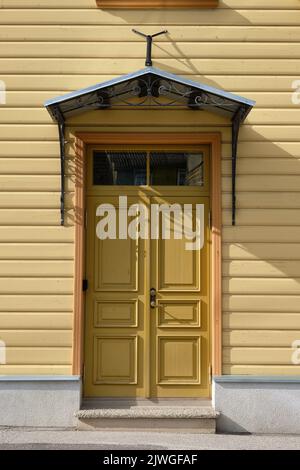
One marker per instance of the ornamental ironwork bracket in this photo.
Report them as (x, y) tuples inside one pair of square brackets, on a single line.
[(62, 142), (237, 119)]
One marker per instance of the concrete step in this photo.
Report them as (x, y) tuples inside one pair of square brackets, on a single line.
[(192, 419)]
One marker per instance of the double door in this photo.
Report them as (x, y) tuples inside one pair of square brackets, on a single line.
[(147, 305)]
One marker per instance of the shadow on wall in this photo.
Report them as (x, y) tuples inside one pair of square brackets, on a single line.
[(182, 25)]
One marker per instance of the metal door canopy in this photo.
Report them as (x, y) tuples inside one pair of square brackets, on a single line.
[(152, 88)]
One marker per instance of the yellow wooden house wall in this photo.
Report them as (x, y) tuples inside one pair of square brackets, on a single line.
[(250, 47)]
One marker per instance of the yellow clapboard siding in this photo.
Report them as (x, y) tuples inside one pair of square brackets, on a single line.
[(36, 320), (263, 217), (262, 183), (31, 132), (36, 303), (35, 370), (60, 84), (35, 217), (110, 117), (267, 166), (33, 183), (38, 356), (29, 149), (250, 286), (37, 4), (133, 17), (257, 133), (26, 116), (264, 303), (265, 356), (291, 370), (34, 268), (261, 234), (21, 251), (262, 200), (261, 321), (48, 132), (257, 338), (38, 133), (35, 200), (35, 338), (73, 4), (47, 166), (264, 4), (270, 116), (257, 251), (267, 99), (37, 235), (123, 33), (22, 285), (161, 50), (275, 149), (124, 65), (261, 268)]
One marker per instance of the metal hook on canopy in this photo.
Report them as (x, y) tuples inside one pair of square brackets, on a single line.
[(149, 39)]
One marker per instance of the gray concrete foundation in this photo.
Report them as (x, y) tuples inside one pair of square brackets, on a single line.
[(266, 405), (39, 401)]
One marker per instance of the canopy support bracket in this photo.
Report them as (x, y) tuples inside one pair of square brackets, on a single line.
[(236, 124), (62, 142)]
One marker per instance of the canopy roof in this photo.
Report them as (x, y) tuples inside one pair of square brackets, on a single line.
[(149, 87)]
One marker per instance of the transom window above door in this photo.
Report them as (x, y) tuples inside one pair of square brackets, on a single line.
[(165, 168), (130, 4)]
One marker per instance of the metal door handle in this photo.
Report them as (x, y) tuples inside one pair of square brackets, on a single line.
[(153, 303)]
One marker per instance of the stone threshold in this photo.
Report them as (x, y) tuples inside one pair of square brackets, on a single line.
[(165, 415), (149, 412)]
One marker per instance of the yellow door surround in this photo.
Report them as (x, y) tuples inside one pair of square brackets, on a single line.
[(180, 379)]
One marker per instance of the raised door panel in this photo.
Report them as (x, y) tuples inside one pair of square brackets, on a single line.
[(116, 265), (115, 360), (178, 269), (116, 313), (178, 360)]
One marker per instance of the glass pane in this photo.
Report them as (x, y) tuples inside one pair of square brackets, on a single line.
[(176, 169), (119, 168)]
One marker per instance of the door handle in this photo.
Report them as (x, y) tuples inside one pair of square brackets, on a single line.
[(153, 303)]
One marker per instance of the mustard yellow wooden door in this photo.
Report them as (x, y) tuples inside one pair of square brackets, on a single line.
[(115, 310), (180, 315), (131, 348)]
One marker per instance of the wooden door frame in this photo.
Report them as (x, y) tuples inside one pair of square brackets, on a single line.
[(82, 140)]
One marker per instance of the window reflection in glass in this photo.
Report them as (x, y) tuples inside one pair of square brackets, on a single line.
[(130, 168), (119, 168), (176, 169)]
